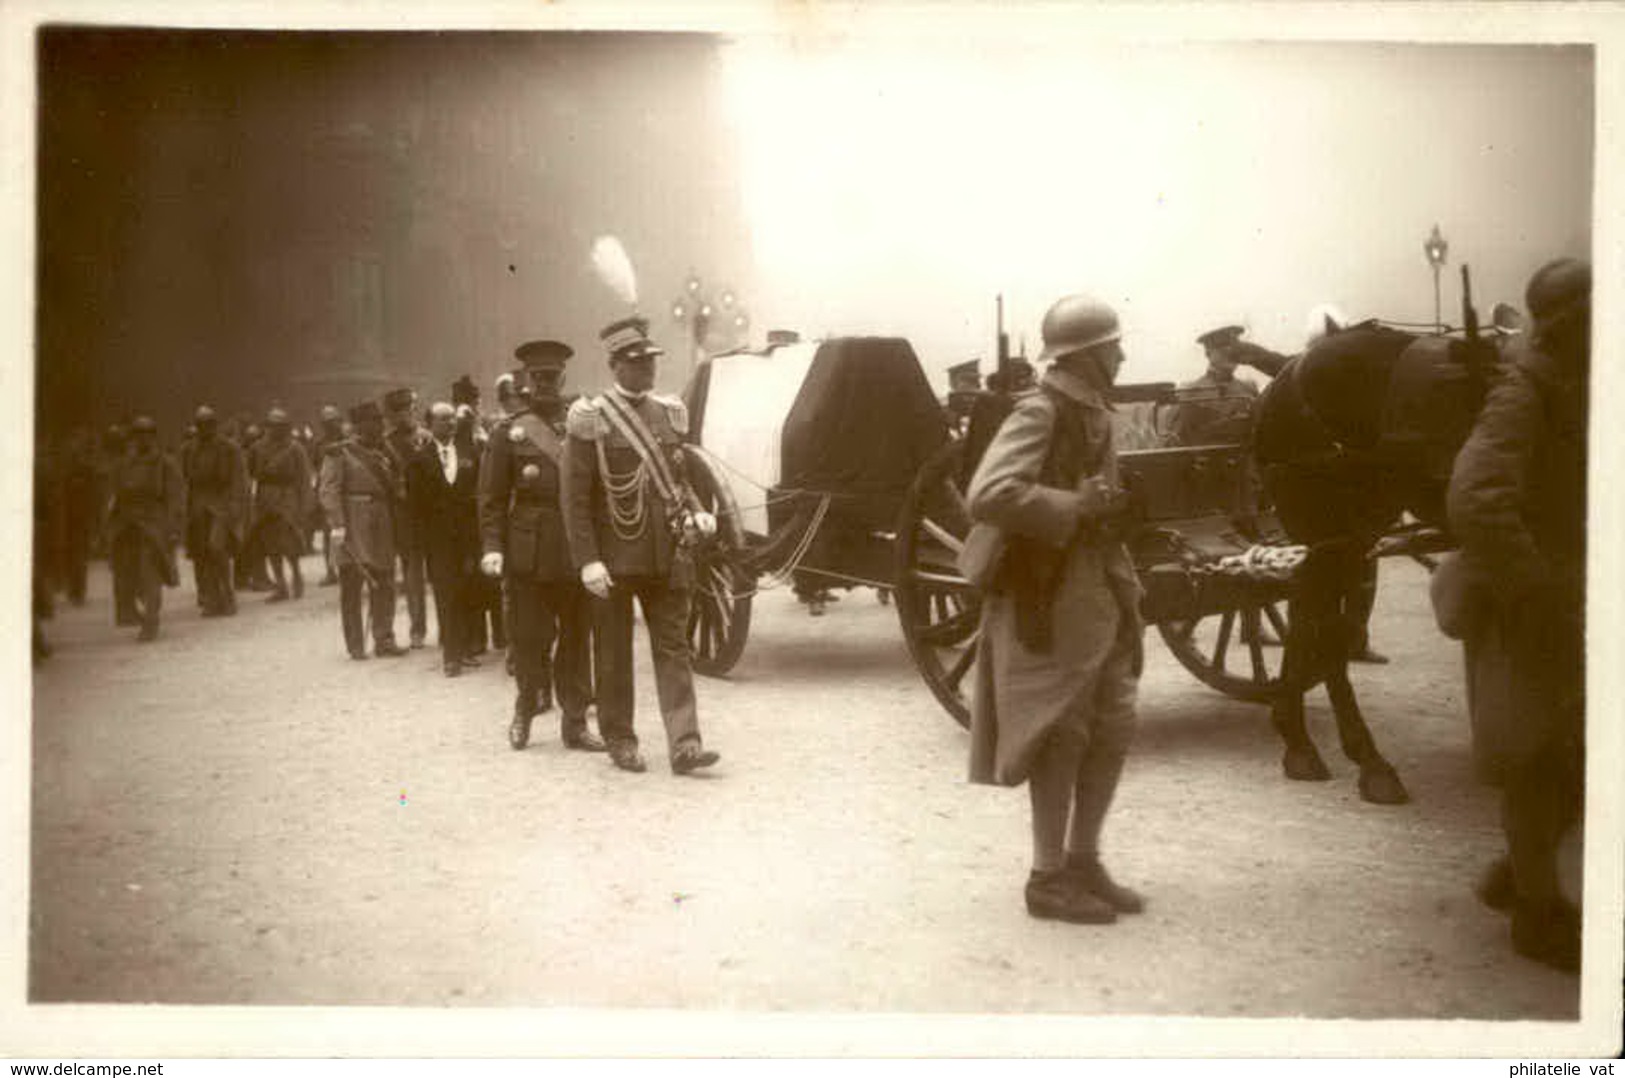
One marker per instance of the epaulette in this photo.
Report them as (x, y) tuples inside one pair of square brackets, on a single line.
[(584, 421), (675, 409)]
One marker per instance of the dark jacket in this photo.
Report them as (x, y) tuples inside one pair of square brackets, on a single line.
[(1517, 504), (446, 514), (148, 504), (520, 510), (632, 551)]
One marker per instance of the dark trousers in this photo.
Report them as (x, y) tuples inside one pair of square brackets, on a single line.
[(1542, 797), (215, 593), (545, 613), (380, 602), (665, 610), (455, 590), (490, 619), (76, 554), (137, 579), (414, 573)]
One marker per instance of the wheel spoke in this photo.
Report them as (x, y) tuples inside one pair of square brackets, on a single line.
[(942, 535), (1276, 621), (1255, 649), (1227, 622), (956, 672), (940, 580)]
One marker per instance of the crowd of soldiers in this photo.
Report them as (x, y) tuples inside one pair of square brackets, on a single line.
[(534, 528)]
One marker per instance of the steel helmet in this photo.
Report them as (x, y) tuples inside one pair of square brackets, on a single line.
[(1558, 292), (1075, 323)]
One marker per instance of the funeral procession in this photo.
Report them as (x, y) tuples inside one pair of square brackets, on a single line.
[(637, 521)]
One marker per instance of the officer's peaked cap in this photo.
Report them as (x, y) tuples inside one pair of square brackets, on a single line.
[(544, 355)]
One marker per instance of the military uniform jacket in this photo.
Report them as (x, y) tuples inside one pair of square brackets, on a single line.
[(148, 497), (1033, 495), (281, 475), (593, 534), (216, 484), (403, 445), (360, 491), (521, 498), (1222, 420)]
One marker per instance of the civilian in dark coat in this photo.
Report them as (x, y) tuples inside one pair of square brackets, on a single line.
[(1518, 506), (442, 481)]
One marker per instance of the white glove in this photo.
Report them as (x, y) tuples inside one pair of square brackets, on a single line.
[(491, 564), (336, 534), (705, 523), (595, 578)]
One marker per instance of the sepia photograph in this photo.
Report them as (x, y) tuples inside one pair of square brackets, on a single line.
[(785, 530)]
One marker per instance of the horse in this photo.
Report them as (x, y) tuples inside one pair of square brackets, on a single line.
[(1351, 434)]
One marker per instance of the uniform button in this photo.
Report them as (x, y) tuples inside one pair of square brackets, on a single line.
[(530, 471)]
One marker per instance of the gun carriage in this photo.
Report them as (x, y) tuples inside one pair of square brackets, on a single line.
[(835, 459)]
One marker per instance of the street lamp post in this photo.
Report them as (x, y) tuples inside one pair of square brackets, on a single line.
[(1436, 248), (712, 323)]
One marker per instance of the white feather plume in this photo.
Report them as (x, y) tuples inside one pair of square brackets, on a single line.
[(615, 269)]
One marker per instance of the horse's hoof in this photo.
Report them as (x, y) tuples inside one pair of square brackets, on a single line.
[(1304, 766), (1383, 788)]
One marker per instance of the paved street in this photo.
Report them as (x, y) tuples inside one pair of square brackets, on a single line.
[(239, 814)]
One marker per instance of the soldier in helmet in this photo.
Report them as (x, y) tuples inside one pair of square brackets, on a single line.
[(361, 491), (216, 505), (280, 471), (523, 535), (630, 516), (1517, 504), (144, 524), (1060, 652)]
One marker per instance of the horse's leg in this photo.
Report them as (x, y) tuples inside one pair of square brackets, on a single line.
[(1300, 760), (1379, 782)]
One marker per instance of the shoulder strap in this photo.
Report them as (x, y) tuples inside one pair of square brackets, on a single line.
[(631, 426)]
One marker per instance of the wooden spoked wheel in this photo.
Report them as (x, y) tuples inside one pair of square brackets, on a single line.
[(1237, 651), (719, 613), (939, 611)]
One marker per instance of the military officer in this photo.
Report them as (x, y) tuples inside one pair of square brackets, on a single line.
[(630, 514), (361, 490), (406, 438), (281, 473), (216, 505), (144, 524), (1216, 408), (523, 535)]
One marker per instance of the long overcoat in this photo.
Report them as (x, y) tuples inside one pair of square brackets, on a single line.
[(360, 491), (1517, 505), (216, 495), (1020, 693), (149, 502), (280, 472)]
